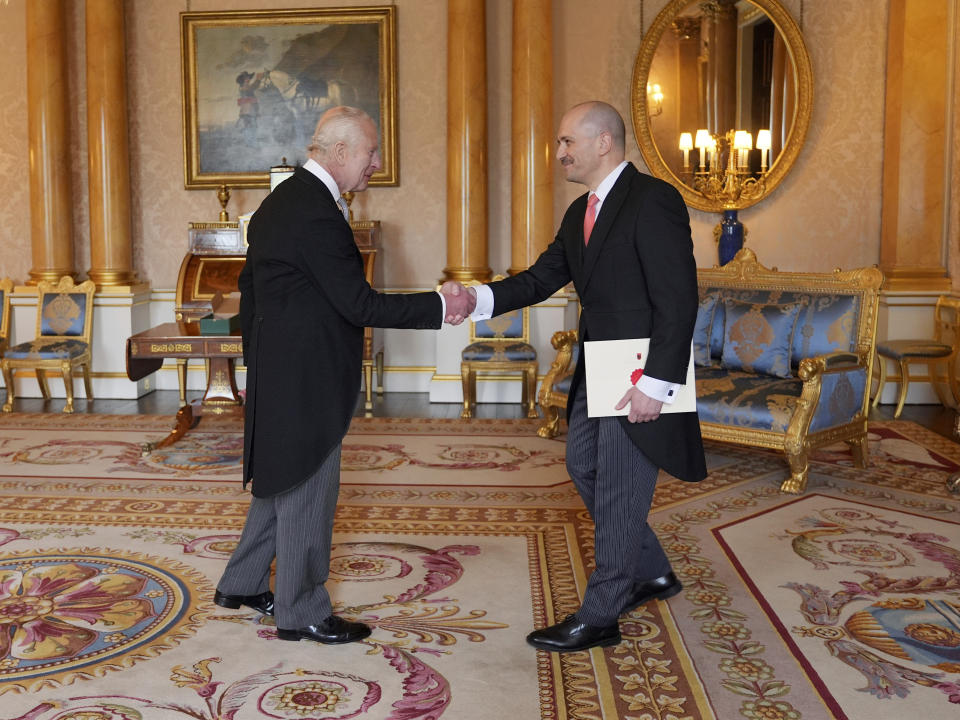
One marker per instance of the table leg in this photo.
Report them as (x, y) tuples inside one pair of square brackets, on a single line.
[(184, 421)]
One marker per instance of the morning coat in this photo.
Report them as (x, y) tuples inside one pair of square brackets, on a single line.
[(637, 277), (304, 302)]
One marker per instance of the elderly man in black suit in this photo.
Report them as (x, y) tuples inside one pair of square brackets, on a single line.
[(626, 247), (304, 303)]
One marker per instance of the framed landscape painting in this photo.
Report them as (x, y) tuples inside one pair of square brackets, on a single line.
[(255, 83)]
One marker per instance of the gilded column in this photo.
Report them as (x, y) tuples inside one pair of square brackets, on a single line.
[(913, 231), (51, 216), (109, 165), (531, 197), (467, 141)]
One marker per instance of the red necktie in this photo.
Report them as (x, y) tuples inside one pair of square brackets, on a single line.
[(590, 217)]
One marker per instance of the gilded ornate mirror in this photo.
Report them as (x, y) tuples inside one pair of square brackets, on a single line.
[(721, 101)]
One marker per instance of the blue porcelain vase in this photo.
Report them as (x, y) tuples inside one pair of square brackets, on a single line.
[(731, 236)]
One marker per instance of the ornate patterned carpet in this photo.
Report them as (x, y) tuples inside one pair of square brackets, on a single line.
[(453, 540)]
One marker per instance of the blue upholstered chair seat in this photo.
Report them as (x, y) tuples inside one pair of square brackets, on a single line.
[(43, 349), (498, 352), (740, 399), (563, 385)]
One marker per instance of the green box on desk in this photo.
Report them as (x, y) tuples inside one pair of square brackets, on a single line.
[(219, 324)]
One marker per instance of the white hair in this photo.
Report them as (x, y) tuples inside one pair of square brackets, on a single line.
[(338, 124)]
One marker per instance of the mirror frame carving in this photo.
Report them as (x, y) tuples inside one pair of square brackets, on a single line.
[(641, 119)]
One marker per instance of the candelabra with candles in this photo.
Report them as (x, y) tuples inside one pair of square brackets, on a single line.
[(730, 182)]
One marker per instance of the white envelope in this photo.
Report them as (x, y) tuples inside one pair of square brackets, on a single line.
[(610, 364)]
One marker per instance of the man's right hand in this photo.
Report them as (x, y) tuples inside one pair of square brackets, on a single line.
[(460, 301)]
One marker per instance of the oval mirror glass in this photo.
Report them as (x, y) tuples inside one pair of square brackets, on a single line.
[(721, 99)]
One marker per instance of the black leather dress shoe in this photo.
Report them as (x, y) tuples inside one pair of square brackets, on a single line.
[(332, 631), (572, 635), (659, 588), (262, 603)]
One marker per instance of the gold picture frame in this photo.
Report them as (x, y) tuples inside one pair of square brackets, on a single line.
[(256, 81)]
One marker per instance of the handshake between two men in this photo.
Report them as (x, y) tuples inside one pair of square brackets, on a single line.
[(460, 301)]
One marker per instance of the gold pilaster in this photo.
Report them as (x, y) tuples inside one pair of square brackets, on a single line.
[(51, 217), (913, 234), (531, 197), (108, 153), (467, 141)]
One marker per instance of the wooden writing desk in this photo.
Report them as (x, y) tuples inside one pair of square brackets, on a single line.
[(147, 350)]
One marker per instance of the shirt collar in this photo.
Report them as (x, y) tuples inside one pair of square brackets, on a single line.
[(321, 172), (603, 189)]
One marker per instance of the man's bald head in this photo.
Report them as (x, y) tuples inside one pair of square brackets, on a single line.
[(602, 117)]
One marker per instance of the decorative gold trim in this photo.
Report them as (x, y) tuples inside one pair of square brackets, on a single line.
[(383, 15), (791, 149)]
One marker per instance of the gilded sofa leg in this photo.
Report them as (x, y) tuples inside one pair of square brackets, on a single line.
[(42, 382), (796, 484), (68, 386), (8, 381), (858, 446), (530, 391), (469, 379), (550, 427)]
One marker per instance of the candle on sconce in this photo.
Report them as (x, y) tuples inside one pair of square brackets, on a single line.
[(702, 142), (742, 143), (764, 143), (686, 144), (713, 154)]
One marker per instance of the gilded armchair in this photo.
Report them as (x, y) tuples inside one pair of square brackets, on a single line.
[(500, 344), (62, 343)]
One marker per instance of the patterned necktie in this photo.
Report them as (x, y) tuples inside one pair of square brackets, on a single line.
[(343, 208), (590, 217)]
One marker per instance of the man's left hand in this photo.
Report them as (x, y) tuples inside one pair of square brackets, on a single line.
[(643, 408)]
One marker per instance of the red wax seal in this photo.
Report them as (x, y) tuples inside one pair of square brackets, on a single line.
[(636, 374)]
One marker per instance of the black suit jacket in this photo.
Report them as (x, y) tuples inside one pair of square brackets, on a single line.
[(636, 278), (303, 305)]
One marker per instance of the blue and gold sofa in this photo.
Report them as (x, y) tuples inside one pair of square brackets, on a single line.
[(784, 360)]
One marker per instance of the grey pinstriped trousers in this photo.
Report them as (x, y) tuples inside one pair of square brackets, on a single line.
[(296, 527), (616, 482)]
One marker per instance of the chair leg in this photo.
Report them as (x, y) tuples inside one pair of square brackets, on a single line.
[(881, 379), (530, 391), (87, 382), (904, 384), (380, 373), (68, 386), (42, 382), (368, 387), (469, 379), (8, 381)]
